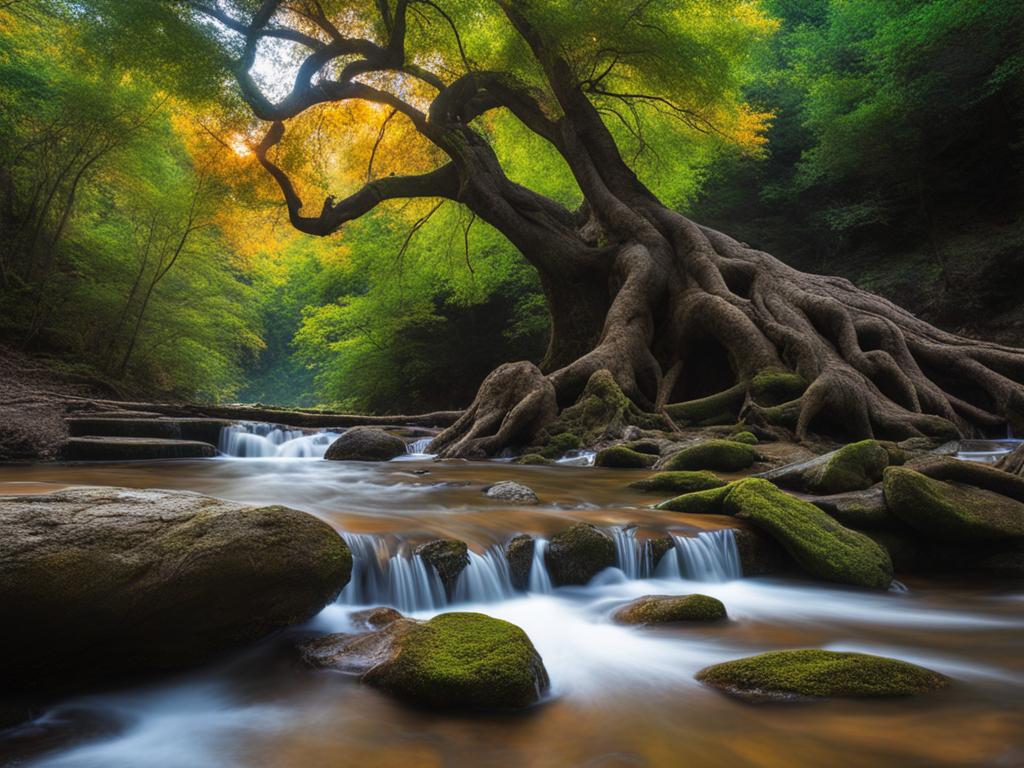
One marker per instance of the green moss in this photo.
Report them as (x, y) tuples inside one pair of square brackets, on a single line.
[(951, 512), (815, 673), (664, 609), (786, 415), (603, 410), (621, 456), (853, 467), (706, 502), (819, 544), (464, 660), (679, 482), (721, 455), (720, 408), (560, 444), (775, 387), (749, 438), (532, 459), (578, 553)]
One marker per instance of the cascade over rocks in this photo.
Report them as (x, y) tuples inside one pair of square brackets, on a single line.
[(106, 582), (454, 661)]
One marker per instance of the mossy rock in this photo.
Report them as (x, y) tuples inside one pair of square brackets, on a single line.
[(706, 502), (365, 444), (454, 661), (679, 482), (853, 467), (819, 544), (719, 455), (815, 674), (560, 444), (534, 459), (623, 457), (747, 437), (775, 387), (579, 553), (949, 511), (603, 411), (973, 473), (448, 558), (655, 548), (667, 609), (719, 408), (519, 554)]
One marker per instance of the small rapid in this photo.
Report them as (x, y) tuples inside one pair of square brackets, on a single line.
[(387, 572), (255, 439)]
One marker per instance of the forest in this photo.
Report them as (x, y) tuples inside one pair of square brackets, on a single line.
[(143, 245)]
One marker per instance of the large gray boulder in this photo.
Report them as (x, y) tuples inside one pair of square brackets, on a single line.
[(99, 583), (365, 444)]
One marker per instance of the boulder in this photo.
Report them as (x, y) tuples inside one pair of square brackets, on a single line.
[(744, 437), (534, 459), (365, 444), (666, 609), (577, 554), (679, 482), (448, 558), (719, 455), (519, 554), (819, 544), (509, 490), (853, 467), (951, 511), (454, 661), (813, 674), (99, 583), (621, 456), (858, 509)]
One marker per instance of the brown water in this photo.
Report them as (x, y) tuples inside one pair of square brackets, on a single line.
[(621, 696)]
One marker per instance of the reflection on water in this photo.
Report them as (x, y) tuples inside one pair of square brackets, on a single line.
[(621, 696)]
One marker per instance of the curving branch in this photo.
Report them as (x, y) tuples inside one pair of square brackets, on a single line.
[(442, 182)]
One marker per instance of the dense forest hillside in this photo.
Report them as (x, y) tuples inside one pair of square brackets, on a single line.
[(141, 244)]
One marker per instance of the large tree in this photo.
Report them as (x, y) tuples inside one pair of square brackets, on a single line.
[(673, 310)]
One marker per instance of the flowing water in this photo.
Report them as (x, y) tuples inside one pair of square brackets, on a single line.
[(621, 696)]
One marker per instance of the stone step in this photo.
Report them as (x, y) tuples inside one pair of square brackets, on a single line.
[(134, 449), (204, 430)]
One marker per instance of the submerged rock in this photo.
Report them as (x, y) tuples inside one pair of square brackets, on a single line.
[(519, 554), (819, 544), (679, 482), (365, 444), (448, 558), (454, 661), (813, 674), (579, 553), (950, 511), (665, 609), (509, 490), (623, 457), (98, 583), (720, 455)]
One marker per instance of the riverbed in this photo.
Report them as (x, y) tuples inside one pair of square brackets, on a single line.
[(621, 696)]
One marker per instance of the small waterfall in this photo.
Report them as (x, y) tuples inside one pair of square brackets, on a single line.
[(539, 581), (578, 458), (419, 447), (379, 577), (486, 579), (635, 557), (254, 439), (708, 556)]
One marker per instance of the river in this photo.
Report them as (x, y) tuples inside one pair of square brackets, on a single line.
[(621, 696)]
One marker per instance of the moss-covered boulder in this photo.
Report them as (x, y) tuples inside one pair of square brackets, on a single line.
[(519, 554), (774, 387), (853, 467), (950, 511), (448, 558), (819, 544), (746, 436), (603, 412), (717, 455), (365, 444), (623, 457), (557, 445), (814, 674), (679, 482), (706, 502), (100, 583), (577, 554), (667, 609), (534, 459), (454, 661)]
